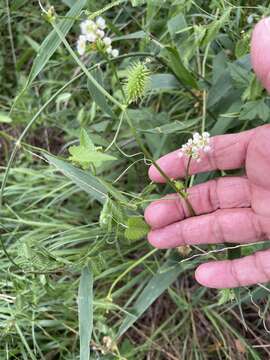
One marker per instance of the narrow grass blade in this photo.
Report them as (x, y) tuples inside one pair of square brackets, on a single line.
[(85, 303), (172, 128), (131, 36), (52, 41), (155, 287), (25, 343)]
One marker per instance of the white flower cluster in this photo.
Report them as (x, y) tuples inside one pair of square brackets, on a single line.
[(93, 32), (196, 146)]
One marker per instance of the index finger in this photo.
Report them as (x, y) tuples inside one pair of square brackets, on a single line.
[(228, 152)]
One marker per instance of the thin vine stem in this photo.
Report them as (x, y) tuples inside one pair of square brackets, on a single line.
[(116, 133), (204, 107), (187, 173), (135, 264)]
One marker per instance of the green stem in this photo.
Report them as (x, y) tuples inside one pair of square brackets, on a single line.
[(117, 78), (84, 69), (190, 207), (136, 263), (116, 133), (187, 173), (104, 9), (148, 155), (204, 91)]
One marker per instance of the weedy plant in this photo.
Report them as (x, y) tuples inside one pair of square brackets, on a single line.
[(92, 92)]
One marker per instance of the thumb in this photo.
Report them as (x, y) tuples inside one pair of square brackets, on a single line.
[(260, 51)]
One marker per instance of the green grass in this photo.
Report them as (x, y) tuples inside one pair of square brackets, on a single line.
[(145, 304)]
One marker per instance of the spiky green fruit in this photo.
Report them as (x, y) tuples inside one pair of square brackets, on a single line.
[(137, 81)]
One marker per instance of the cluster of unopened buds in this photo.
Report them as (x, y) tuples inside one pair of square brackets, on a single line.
[(196, 146), (92, 32)]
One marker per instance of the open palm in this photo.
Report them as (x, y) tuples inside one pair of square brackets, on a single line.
[(228, 209)]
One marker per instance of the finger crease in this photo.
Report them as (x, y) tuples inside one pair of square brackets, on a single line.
[(181, 234), (259, 266), (213, 195), (180, 208), (218, 232), (259, 234), (212, 158), (234, 273)]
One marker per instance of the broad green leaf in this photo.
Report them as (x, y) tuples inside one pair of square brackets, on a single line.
[(242, 46), (239, 74), (176, 23), (181, 72), (137, 228), (85, 307), (96, 95), (254, 90), (86, 141), (5, 118), (167, 274), (82, 179), (164, 82), (52, 41), (83, 156), (255, 109), (220, 89), (220, 64)]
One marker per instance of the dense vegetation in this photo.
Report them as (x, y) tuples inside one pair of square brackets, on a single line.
[(77, 134)]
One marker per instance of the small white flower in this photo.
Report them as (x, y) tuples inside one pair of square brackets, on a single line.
[(92, 31), (196, 137), (100, 33), (81, 44), (196, 146), (91, 37), (88, 26), (101, 23), (109, 50), (205, 135), (115, 53), (107, 41)]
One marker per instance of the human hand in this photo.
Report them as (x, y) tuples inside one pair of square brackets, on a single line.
[(230, 209)]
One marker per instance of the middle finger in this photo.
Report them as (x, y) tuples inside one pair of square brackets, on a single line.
[(221, 193)]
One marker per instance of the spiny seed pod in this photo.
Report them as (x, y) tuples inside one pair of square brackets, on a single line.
[(137, 81)]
